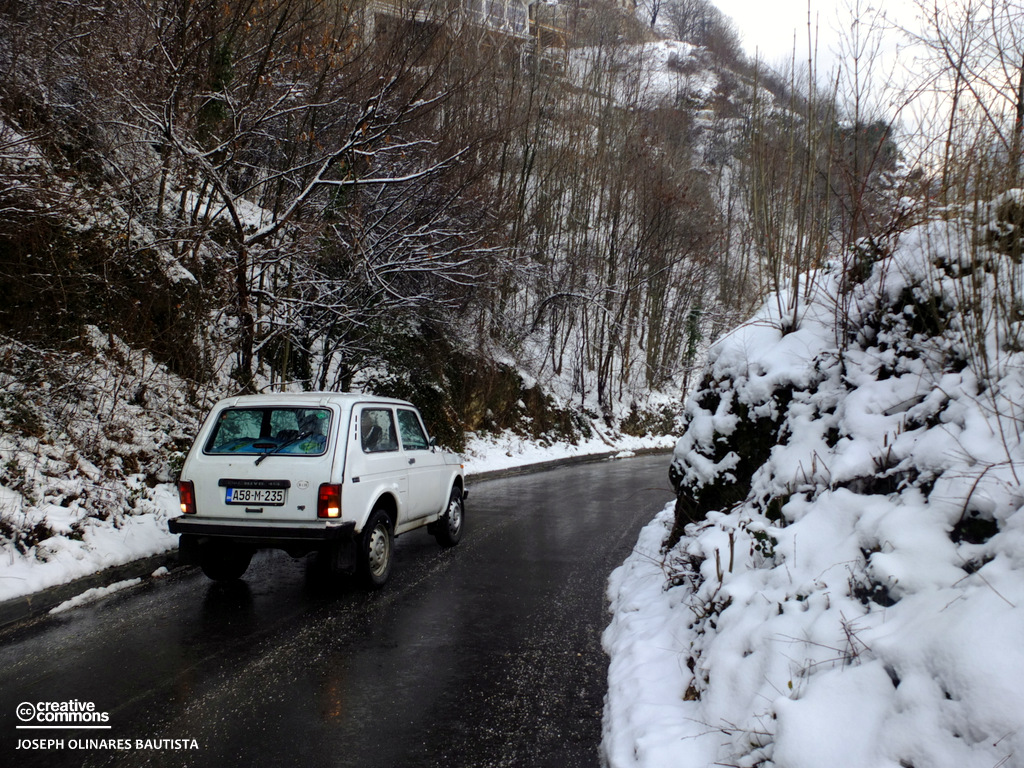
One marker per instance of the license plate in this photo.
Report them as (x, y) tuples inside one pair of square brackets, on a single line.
[(270, 497)]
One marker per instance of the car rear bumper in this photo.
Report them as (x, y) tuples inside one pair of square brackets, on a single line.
[(264, 535)]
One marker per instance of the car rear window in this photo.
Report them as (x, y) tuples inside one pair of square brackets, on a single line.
[(298, 431)]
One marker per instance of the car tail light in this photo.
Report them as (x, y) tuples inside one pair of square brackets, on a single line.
[(187, 495), (328, 501)]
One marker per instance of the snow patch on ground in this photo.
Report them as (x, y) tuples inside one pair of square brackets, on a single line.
[(648, 74), (94, 594)]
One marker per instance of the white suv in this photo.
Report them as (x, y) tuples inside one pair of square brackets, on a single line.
[(337, 474)]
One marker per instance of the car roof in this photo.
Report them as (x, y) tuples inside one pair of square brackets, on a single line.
[(307, 399)]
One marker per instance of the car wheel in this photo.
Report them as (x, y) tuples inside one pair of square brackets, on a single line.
[(224, 562), (376, 550), (448, 529)]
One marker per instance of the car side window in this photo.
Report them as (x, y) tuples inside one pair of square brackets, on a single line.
[(377, 430), (413, 437)]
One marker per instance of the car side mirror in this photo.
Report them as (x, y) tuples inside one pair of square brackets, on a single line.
[(432, 443)]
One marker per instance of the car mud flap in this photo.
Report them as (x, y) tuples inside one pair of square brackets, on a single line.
[(339, 557), (188, 549)]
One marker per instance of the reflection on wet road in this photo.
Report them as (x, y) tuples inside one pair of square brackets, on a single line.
[(485, 655)]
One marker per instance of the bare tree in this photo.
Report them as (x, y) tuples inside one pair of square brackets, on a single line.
[(701, 23), (285, 120), (978, 48)]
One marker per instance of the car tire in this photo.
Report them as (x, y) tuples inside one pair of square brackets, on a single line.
[(376, 550), (448, 528), (224, 562)]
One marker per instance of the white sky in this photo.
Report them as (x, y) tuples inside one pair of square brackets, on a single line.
[(772, 27)]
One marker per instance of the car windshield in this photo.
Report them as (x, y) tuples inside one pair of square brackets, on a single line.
[(273, 429)]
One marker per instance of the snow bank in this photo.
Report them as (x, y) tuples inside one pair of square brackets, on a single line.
[(488, 453), (850, 591)]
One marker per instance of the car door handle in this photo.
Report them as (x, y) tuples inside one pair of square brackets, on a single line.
[(412, 461)]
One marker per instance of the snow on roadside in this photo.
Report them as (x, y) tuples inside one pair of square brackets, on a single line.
[(89, 441), (647, 720), (863, 605), (488, 453), (60, 559), (94, 594)]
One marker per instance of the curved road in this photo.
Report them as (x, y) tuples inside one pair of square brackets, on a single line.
[(485, 655)]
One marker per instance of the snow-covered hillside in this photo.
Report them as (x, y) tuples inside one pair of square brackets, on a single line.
[(841, 582), (90, 443)]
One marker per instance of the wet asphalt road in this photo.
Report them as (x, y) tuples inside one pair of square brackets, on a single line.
[(485, 655)]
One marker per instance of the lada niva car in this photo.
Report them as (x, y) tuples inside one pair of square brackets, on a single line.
[(339, 474)]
